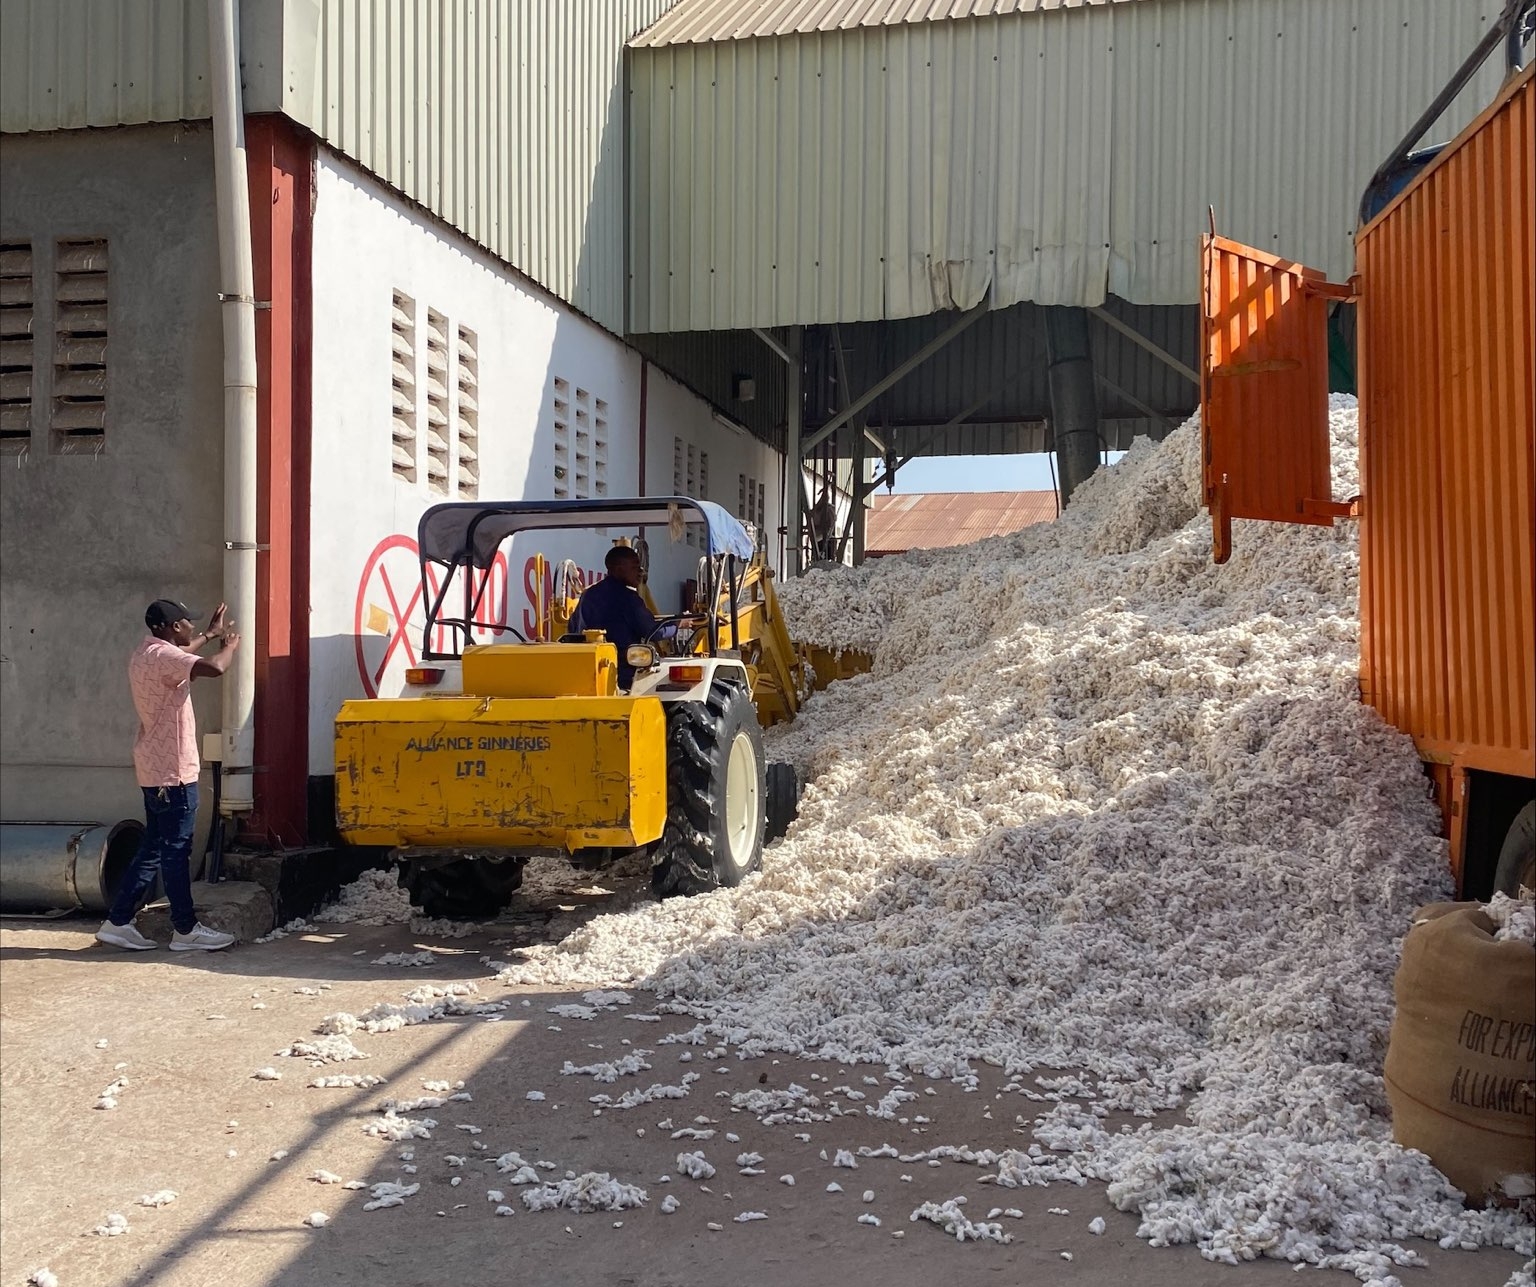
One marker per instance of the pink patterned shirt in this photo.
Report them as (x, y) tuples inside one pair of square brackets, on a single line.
[(165, 751)]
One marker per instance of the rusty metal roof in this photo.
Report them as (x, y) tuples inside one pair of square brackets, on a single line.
[(931, 520), (707, 21)]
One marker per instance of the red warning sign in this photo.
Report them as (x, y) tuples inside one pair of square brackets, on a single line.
[(390, 614)]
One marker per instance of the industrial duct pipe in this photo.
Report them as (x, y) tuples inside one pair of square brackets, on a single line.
[(238, 308), (51, 867), (1074, 400)]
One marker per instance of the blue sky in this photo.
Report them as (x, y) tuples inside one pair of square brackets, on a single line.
[(1029, 472)]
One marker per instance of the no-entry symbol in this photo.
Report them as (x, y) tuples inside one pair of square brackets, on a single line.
[(390, 613)]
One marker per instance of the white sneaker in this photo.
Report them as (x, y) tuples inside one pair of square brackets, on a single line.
[(201, 939), (126, 936)]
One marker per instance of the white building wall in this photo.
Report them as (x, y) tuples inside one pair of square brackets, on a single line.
[(674, 413), (532, 351)]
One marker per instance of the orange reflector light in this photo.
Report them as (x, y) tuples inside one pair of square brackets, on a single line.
[(424, 676), (685, 674)]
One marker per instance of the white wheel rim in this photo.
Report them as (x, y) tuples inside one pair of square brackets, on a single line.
[(741, 802)]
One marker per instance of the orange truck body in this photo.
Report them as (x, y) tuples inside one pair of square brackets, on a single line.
[(1445, 287)]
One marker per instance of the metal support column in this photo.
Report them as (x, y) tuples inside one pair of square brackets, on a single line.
[(1074, 404), (794, 409), (857, 512), (852, 529), (792, 353)]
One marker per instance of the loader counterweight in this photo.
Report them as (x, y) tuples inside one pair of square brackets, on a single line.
[(504, 773)]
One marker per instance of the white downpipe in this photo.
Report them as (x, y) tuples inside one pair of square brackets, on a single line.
[(238, 308)]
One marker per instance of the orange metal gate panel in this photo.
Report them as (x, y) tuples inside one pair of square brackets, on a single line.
[(1448, 579), (1264, 389)]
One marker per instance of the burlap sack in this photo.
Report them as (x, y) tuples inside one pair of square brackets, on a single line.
[(1461, 1066)]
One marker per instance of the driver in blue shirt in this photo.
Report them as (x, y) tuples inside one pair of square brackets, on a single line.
[(614, 606)]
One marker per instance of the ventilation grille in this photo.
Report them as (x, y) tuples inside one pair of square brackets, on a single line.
[(402, 378), (691, 479), (562, 439), (468, 386), (79, 420), (581, 461), (599, 447), (15, 347), (681, 469), (438, 431), (749, 499), (581, 443)]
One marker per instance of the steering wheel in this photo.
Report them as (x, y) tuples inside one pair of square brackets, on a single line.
[(682, 635)]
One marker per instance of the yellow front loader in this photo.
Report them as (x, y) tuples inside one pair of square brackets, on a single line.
[(499, 752)]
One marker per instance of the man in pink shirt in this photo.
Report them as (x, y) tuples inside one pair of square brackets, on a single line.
[(160, 675)]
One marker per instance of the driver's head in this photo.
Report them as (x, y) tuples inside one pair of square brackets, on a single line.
[(623, 564)]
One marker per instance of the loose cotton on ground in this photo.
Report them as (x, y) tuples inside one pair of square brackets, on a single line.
[(1101, 805)]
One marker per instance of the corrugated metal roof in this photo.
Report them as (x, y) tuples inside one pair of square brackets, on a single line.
[(992, 438), (709, 362), (1057, 156), (503, 117), (989, 438), (702, 21), (935, 520), (69, 64), (1003, 355)]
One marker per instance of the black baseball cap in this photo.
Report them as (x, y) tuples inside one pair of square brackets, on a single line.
[(167, 612)]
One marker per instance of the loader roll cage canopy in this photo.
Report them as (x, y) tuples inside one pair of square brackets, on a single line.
[(464, 537)]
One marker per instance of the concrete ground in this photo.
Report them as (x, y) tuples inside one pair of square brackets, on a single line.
[(191, 1029)]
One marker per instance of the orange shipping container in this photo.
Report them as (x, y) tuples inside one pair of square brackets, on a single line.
[(1446, 294), (1449, 623)]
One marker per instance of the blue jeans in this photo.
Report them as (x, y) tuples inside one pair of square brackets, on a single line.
[(170, 817)]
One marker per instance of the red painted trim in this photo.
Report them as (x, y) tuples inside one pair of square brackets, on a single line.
[(645, 372), (305, 155), (280, 164)]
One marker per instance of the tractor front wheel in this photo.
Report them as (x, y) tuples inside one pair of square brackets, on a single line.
[(467, 889), (716, 793)]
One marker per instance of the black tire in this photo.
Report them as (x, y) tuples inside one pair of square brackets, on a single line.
[(468, 889), (701, 849), (783, 800), (1517, 859)]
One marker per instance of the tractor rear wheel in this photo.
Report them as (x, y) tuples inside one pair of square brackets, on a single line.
[(467, 889), (716, 793)]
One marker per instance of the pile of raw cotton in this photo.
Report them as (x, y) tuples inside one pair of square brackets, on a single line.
[(1102, 807), (377, 898)]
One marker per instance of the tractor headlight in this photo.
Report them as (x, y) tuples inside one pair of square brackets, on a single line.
[(640, 656)]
